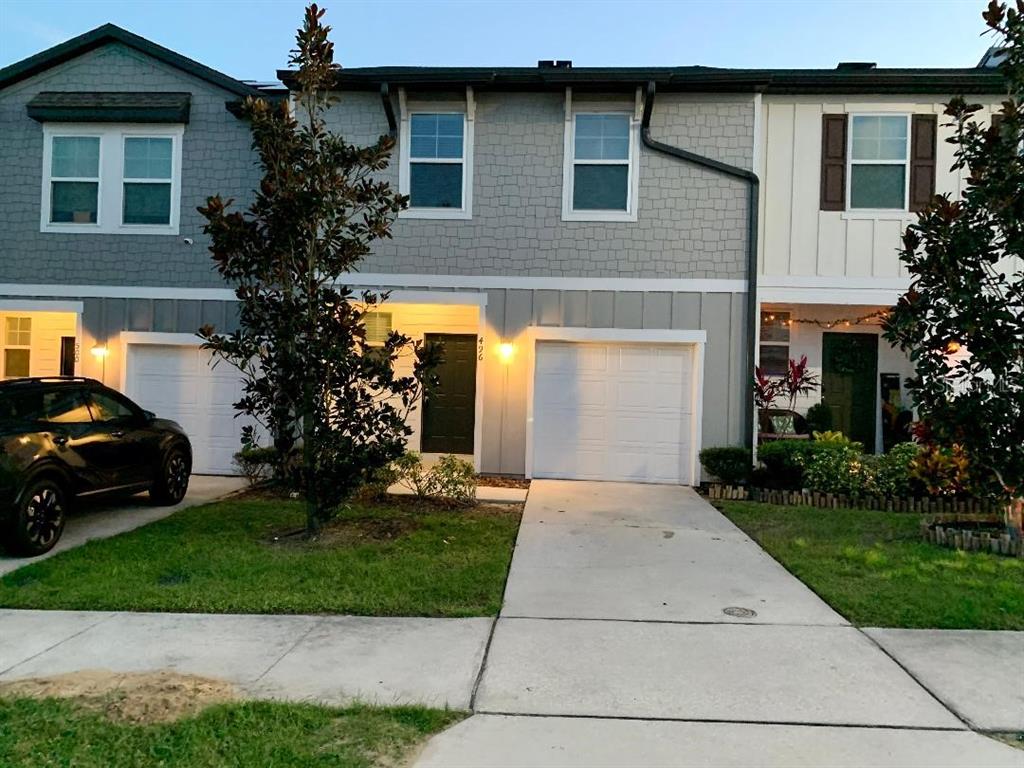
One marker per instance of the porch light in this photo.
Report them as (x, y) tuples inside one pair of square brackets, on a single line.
[(506, 350), (99, 351), (952, 347)]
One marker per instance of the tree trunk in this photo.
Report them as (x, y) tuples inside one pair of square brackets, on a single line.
[(309, 466)]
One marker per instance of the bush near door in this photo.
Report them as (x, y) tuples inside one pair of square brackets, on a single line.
[(730, 464)]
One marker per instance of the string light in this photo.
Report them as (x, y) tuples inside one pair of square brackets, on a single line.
[(845, 322)]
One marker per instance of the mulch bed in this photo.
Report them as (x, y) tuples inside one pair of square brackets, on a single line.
[(503, 481)]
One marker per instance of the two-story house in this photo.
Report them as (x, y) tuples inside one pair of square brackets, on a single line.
[(591, 245)]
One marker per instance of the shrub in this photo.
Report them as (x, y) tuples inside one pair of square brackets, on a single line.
[(450, 479), (835, 467), (730, 464), (784, 462), (892, 470), (819, 418), (836, 437), (376, 486), (941, 471), (256, 463)]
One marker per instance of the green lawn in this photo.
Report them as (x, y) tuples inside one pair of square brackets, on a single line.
[(874, 569), (57, 732), (402, 558)]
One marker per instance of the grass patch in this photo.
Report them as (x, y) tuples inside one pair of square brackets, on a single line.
[(401, 558), (58, 732), (874, 568)]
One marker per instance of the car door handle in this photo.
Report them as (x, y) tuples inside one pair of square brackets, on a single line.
[(60, 439), (117, 433)]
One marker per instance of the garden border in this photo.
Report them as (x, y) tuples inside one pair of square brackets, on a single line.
[(925, 505)]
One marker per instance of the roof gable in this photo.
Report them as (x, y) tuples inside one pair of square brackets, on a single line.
[(111, 33)]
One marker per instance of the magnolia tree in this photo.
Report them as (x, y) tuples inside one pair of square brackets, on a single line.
[(309, 375), (964, 256)]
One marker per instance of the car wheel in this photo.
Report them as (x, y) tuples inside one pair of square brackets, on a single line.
[(39, 518), (172, 479)]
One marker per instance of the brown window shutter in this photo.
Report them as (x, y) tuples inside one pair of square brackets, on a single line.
[(923, 130), (833, 162)]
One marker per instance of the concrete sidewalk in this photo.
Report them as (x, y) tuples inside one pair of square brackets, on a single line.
[(333, 660), (103, 519), (641, 627)]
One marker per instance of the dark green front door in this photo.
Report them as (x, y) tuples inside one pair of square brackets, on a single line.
[(449, 413), (849, 383)]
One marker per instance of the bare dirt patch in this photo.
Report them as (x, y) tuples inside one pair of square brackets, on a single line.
[(129, 697)]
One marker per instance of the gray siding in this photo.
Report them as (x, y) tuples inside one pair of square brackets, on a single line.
[(216, 158), (691, 222)]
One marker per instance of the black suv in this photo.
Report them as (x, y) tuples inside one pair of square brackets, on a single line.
[(65, 438)]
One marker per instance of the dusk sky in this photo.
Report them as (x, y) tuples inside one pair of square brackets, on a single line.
[(249, 39)]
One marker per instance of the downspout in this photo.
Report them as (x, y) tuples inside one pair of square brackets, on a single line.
[(389, 111), (753, 196)]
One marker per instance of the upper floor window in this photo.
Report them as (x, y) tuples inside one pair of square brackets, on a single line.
[(111, 179), (600, 172), (435, 171), (879, 160)]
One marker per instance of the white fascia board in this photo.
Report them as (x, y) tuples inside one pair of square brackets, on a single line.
[(42, 305), (854, 297), (622, 335)]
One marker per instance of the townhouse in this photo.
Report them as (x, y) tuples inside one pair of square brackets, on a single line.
[(604, 252)]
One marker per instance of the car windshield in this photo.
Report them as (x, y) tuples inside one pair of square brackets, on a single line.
[(55, 406)]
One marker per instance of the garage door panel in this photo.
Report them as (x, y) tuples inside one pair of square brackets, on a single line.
[(178, 383), (630, 422)]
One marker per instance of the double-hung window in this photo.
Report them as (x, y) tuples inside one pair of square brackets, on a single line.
[(878, 162), (435, 165), (774, 356), (600, 173), (17, 346), (111, 179)]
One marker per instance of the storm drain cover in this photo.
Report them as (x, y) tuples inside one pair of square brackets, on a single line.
[(739, 613)]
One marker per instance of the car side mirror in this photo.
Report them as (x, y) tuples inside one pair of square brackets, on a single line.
[(148, 415)]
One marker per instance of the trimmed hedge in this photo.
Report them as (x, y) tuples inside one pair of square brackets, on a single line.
[(730, 464)]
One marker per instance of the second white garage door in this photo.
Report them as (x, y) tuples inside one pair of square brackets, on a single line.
[(177, 382), (614, 412)]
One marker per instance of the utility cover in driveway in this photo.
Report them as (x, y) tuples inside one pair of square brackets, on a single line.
[(613, 412)]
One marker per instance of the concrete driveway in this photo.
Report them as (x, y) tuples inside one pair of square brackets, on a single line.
[(101, 520), (641, 627)]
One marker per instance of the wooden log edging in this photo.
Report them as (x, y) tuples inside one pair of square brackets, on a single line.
[(985, 507), (945, 533)]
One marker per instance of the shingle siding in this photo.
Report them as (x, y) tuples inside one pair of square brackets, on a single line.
[(216, 157), (691, 222)]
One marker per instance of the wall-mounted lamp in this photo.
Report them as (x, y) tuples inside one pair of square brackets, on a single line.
[(100, 352), (506, 351), (952, 347)]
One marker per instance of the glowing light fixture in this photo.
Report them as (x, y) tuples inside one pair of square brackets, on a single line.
[(506, 350), (952, 347), (99, 351)]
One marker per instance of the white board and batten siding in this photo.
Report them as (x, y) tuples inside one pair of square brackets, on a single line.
[(614, 411), (800, 239), (177, 382)]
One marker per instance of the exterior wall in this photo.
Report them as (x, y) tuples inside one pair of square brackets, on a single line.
[(508, 315), (691, 222), (216, 158), (806, 339), (799, 239)]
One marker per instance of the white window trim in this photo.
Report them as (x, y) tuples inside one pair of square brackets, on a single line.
[(877, 213), (110, 193), (569, 161), (467, 110)]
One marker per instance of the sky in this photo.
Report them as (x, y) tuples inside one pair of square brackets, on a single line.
[(250, 39)]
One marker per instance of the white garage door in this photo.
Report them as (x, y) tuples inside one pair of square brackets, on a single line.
[(613, 412), (177, 382)]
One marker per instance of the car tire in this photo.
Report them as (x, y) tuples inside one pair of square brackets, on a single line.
[(171, 482), (39, 518)]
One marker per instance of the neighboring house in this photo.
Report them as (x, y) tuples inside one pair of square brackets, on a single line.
[(846, 159), (579, 239)]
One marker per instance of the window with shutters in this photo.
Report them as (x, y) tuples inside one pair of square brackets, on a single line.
[(878, 170)]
